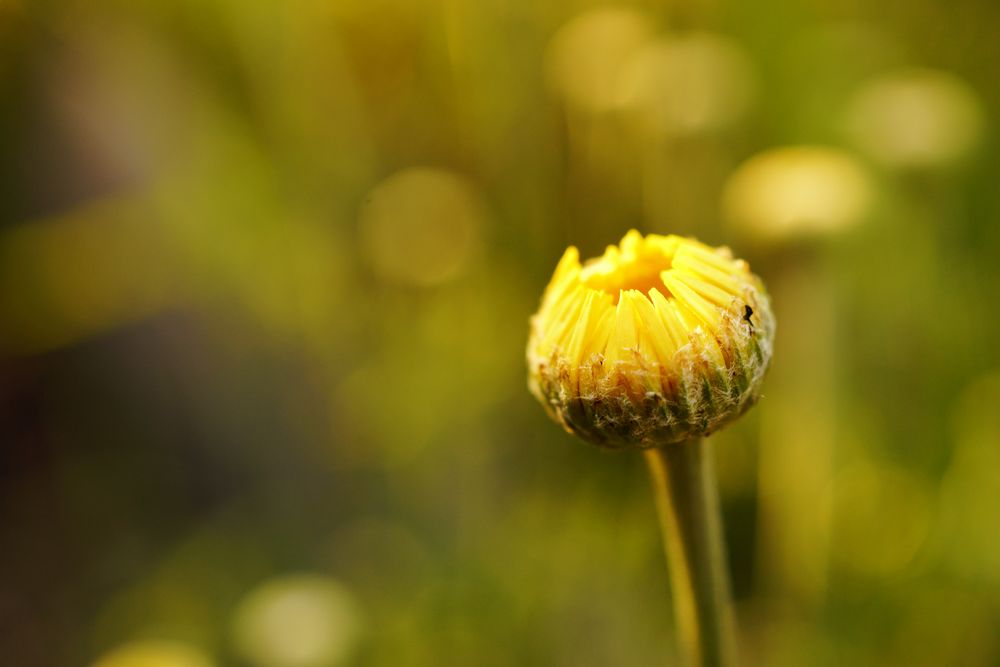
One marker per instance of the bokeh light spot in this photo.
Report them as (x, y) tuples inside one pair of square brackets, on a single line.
[(154, 653), (297, 621), (421, 226), (586, 56), (882, 517), (687, 84), (796, 191), (915, 118)]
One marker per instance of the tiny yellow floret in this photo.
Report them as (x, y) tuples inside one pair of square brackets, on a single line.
[(659, 340)]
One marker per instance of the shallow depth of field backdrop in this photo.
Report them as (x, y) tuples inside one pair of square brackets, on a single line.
[(265, 275)]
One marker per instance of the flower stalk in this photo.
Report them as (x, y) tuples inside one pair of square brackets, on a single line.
[(687, 502)]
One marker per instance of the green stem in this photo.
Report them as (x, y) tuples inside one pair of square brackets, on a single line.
[(688, 504)]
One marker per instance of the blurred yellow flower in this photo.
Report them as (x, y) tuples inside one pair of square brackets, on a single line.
[(659, 340), (796, 191), (154, 653), (297, 620), (916, 118), (421, 226), (688, 83), (585, 58)]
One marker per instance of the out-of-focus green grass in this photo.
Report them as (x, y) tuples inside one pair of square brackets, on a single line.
[(265, 274)]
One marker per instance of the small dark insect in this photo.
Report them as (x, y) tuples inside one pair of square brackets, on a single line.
[(747, 312)]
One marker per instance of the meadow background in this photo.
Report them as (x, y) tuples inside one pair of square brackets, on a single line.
[(265, 275)]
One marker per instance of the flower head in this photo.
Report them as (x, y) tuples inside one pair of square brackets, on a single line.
[(659, 340)]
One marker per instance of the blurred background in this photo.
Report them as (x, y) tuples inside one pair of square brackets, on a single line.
[(265, 275)]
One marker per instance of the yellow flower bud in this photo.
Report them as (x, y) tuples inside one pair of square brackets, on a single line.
[(659, 340)]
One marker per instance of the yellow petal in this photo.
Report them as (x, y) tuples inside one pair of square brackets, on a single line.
[(710, 256), (597, 339), (578, 347), (563, 316), (653, 330), (687, 297), (631, 242), (665, 245), (686, 259), (719, 297), (624, 337), (569, 260), (672, 323), (565, 278)]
